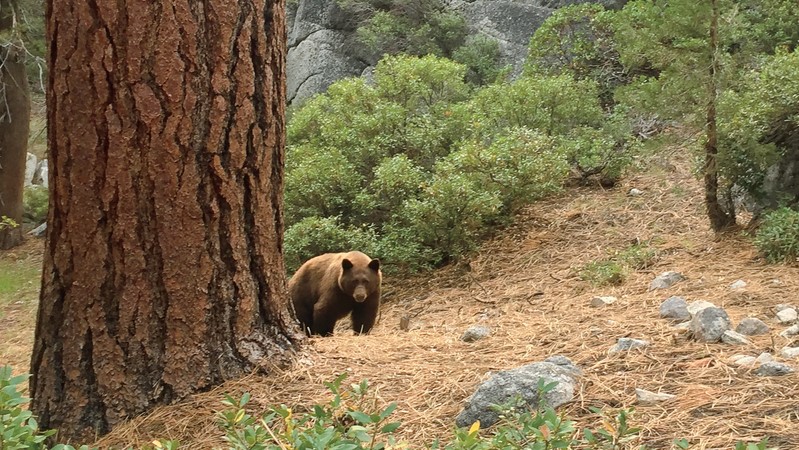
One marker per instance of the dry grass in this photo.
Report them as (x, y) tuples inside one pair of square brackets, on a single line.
[(523, 285), (20, 275)]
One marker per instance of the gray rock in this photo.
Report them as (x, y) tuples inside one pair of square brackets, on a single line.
[(734, 338), (522, 382), (675, 308), (626, 344), (645, 396), (793, 330), (782, 306), (635, 192), (475, 333), (698, 305), (685, 326), (789, 352), (788, 315), (564, 362), (743, 360), (752, 326), (598, 302), (764, 358), (709, 324), (41, 176), (738, 284), (773, 369), (39, 231), (666, 280), (30, 168)]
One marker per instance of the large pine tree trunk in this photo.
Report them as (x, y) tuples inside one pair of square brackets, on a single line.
[(163, 271), (15, 109)]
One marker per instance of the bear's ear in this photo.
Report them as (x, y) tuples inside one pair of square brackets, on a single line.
[(346, 264), (374, 264)]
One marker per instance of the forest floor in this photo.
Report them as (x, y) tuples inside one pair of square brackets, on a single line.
[(525, 285)]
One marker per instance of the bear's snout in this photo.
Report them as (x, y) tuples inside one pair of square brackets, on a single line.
[(360, 294)]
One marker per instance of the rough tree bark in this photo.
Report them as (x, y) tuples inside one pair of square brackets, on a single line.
[(720, 216), (163, 271), (15, 109)]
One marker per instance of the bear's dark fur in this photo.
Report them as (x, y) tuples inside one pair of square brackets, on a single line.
[(328, 287)]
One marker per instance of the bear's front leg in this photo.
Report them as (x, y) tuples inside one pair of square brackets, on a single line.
[(364, 315), (323, 322)]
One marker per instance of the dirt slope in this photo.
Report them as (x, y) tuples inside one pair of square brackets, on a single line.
[(523, 285)]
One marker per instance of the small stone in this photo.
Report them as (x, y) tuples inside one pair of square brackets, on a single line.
[(738, 284), (675, 308), (683, 326), (782, 306), (789, 352), (635, 192), (773, 369), (598, 302), (666, 280), (645, 396), (709, 324), (743, 360), (752, 326), (698, 305), (793, 330), (626, 344), (764, 358), (734, 338), (475, 333), (776, 282), (788, 315)]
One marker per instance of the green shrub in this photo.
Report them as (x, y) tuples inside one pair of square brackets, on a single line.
[(451, 215), (553, 105), (320, 183), (614, 270), (481, 56), (778, 235), (579, 40), (521, 166), (35, 201), (314, 236)]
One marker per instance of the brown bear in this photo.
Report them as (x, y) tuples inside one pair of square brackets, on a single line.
[(328, 287)]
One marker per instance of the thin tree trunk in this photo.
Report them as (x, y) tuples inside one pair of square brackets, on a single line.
[(719, 217), (163, 271), (14, 127)]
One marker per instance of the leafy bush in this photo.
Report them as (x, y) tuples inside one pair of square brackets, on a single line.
[(314, 236), (451, 215), (521, 166), (414, 27), (579, 39), (553, 105), (481, 56), (778, 235), (320, 183), (35, 201)]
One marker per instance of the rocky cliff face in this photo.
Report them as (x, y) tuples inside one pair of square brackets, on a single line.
[(322, 46)]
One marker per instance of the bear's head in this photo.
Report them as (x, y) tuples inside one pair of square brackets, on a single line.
[(360, 276)]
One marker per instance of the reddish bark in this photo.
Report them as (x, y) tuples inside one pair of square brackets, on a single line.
[(163, 270)]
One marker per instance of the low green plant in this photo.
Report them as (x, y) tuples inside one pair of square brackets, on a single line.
[(18, 427), (7, 223), (614, 270), (603, 273), (350, 420), (777, 238), (616, 432), (760, 445), (35, 201)]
